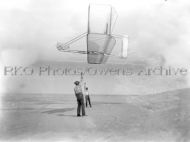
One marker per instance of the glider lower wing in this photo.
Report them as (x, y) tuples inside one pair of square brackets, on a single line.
[(98, 46)]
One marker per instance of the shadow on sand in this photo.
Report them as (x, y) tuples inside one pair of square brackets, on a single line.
[(69, 115), (59, 112)]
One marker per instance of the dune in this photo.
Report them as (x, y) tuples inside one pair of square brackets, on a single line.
[(163, 117)]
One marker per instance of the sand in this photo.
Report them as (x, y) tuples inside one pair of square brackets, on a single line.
[(163, 117)]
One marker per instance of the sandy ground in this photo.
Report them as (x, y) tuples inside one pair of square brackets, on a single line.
[(163, 117)]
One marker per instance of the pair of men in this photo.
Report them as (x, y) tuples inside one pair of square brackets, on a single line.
[(80, 89)]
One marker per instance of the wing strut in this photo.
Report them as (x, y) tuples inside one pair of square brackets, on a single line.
[(65, 46)]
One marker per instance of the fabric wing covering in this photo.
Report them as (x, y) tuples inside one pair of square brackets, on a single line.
[(99, 47), (124, 51)]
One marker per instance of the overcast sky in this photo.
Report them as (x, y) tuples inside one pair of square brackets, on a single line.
[(158, 33)]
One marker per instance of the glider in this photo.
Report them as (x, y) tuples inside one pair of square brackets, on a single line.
[(99, 37)]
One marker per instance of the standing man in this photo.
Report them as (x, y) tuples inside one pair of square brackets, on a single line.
[(79, 95), (87, 97)]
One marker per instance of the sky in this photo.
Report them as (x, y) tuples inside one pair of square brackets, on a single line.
[(158, 34)]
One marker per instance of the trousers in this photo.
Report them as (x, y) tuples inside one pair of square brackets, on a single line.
[(80, 101), (87, 98)]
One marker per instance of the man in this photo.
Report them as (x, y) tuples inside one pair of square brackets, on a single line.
[(87, 97), (79, 95)]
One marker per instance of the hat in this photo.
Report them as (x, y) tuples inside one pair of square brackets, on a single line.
[(76, 82)]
